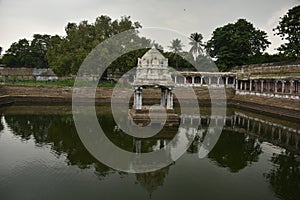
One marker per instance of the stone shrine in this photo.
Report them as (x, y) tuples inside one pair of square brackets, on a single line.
[(152, 71)]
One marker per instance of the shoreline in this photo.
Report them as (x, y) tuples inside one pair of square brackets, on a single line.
[(13, 94)]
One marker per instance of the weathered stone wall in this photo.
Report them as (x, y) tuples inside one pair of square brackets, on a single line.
[(270, 70), (15, 74)]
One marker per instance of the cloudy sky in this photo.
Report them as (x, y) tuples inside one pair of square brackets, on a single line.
[(23, 18)]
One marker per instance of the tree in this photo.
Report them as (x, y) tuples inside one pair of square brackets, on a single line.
[(176, 48), (18, 55), (233, 44), (38, 50), (28, 54), (197, 44), (66, 54), (0, 55), (289, 30)]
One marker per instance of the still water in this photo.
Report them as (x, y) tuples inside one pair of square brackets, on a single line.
[(42, 157)]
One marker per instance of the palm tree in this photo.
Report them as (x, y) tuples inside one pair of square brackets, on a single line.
[(196, 43), (176, 47)]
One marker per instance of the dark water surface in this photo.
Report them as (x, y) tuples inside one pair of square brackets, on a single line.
[(42, 157)]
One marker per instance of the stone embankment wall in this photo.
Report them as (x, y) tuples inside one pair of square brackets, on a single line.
[(287, 108)]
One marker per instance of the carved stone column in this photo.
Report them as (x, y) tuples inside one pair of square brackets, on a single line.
[(261, 85), (291, 87), (170, 99), (138, 98), (282, 86), (163, 97), (276, 86)]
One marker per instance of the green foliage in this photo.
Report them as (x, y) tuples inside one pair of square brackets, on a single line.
[(65, 55), (178, 62), (176, 47), (18, 55), (127, 61), (267, 58), (233, 44), (289, 30), (28, 54), (197, 44), (0, 55)]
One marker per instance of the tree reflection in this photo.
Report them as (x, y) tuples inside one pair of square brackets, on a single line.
[(59, 132), (235, 151), (285, 175)]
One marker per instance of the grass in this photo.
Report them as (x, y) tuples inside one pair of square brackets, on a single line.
[(58, 83)]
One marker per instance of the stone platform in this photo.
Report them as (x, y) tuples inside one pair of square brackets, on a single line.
[(140, 117)]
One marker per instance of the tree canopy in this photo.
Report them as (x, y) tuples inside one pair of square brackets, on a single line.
[(30, 54), (176, 47), (196, 44), (289, 30), (66, 54), (234, 44)]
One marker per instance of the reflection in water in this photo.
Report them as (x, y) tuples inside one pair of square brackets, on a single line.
[(285, 175), (235, 151), (58, 131), (239, 145)]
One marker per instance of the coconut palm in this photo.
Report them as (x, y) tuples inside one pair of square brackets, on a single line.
[(176, 47), (196, 43)]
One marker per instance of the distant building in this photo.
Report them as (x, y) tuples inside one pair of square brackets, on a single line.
[(29, 74)]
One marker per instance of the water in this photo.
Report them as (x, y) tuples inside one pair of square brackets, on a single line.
[(41, 157)]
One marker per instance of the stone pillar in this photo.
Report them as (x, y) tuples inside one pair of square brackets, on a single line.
[(250, 87), (276, 86), (255, 85), (226, 81), (218, 81), (241, 86), (193, 80), (209, 80), (268, 86), (170, 99), (261, 85), (134, 98), (291, 87), (245, 85), (201, 80), (163, 97), (283, 86), (184, 81), (248, 124), (237, 85), (175, 79), (138, 103)]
